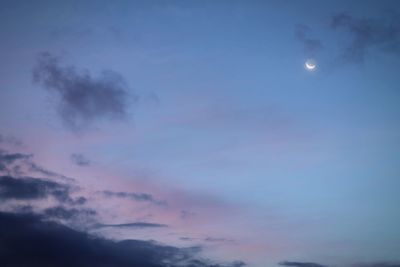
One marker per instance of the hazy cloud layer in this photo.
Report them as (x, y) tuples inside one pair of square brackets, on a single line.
[(82, 99), (368, 34), (32, 242)]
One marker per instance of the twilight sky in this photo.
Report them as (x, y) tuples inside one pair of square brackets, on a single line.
[(189, 133)]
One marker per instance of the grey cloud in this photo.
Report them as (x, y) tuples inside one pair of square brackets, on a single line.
[(43, 171), (301, 264), (311, 45), (82, 98), (80, 160), (10, 162), (9, 158), (14, 164), (368, 34), (134, 196), (60, 212), (132, 225), (29, 188)]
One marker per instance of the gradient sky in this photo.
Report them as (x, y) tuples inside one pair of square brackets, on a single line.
[(198, 120)]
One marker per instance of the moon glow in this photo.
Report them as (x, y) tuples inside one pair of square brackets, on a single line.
[(310, 65)]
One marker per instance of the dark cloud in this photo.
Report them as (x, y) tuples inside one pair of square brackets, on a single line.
[(132, 225), (80, 160), (82, 98), (301, 264), (9, 162), (27, 240), (60, 212), (368, 34), (9, 158), (134, 196), (29, 188), (311, 45)]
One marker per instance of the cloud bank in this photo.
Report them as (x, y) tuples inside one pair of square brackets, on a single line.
[(27, 240)]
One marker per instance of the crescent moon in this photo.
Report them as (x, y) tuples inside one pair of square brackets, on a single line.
[(310, 65)]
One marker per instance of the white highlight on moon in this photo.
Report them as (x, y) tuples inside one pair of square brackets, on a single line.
[(310, 65)]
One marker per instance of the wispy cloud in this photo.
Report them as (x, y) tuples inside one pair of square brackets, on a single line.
[(301, 264), (134, 196), (138, 225), (82, 98), (80, 159), (368, 34), (311, 45)]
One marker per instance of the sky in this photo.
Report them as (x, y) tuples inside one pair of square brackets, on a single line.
[(191, 133)]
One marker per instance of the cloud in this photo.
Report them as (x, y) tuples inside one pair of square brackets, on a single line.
[(301, 264), (368, 34), (185, 214), (60, 212), (82, 98), (133, 196), (32, 242), (132, 225), (9, 158), (29, 188), (311, 45), (80, 160), (43, 171), (216, 239), (10, 140), (184, 238), (10, 162), (378, 264), (18, 164)]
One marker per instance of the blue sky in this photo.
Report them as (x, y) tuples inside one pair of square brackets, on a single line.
[(218, 118)]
